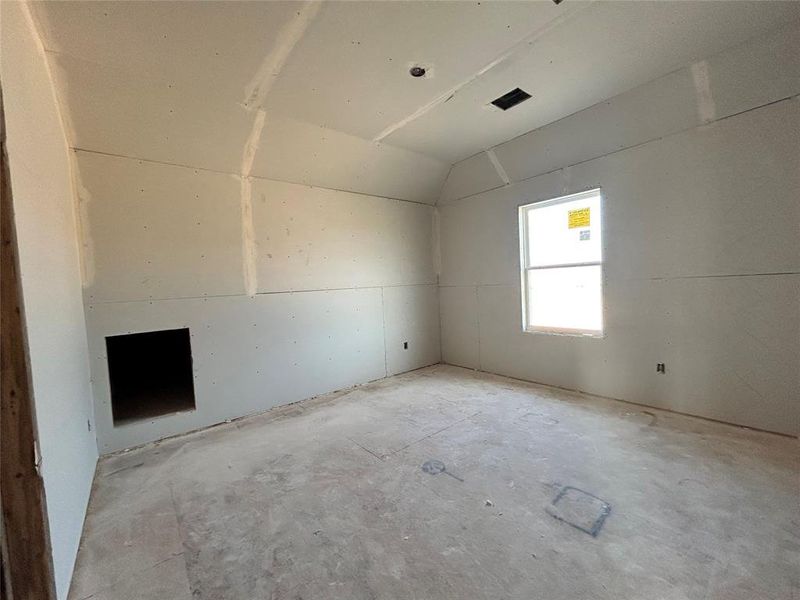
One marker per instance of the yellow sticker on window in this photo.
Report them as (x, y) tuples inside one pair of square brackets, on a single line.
[(578, 218)]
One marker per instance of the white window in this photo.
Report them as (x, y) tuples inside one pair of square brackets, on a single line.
[(561, 250)]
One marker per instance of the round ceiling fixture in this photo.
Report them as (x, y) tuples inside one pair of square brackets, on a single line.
[(417, 71)]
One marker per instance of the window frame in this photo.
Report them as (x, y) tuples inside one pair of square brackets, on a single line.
[(525, 268)]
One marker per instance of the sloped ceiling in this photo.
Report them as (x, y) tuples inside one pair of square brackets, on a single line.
[(185, 82)]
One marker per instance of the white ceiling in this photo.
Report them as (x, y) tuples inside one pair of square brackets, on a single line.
[(602, 50), (167, 80)]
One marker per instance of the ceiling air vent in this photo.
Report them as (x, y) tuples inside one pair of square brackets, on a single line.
[(510, 99)]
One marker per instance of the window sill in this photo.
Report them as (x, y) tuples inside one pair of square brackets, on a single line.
[(565, 333)]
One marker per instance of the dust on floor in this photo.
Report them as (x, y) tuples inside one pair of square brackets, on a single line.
[(527, 492)]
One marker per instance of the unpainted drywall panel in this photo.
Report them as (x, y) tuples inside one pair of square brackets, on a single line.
[(732, 361), (458, 313), (471, 176), (746, 349), (644, 113), (39, 163), (698, 229), (556, 360), (592, 54), (315, 238), (158, 231), (638, 334), (131, 114), (214, 133), (197, 47), (755, 73), (249, 354), (152, 119), (381, 40), (762, 70), (291, 150), (148, 108), (223, 60), (361, 88), (166, 247), (716, 200), (411, 317), (488, 220)]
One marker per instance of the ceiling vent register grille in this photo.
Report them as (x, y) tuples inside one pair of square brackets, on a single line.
[(511, 99)]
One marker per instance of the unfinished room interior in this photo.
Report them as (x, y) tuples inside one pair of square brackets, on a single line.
[(400, 300)]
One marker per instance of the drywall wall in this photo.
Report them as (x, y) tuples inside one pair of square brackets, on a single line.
[(183, 83), (342, 281), (471, 176), (745, 76), (174, 81), (51, 284), (203, 203), (700, 176)]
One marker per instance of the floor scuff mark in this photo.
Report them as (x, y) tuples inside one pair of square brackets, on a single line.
[(434, 467), (303, 513), (582, 510)]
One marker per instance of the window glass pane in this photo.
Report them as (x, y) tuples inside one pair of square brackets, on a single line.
[(566, 298), (564, 233)]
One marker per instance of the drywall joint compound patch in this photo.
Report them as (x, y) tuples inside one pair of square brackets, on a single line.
[(701, 76), (82, 199), (246, 197), (257, 90), (255, 95), (501, 172)]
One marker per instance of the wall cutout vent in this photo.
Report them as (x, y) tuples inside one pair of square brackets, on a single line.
[(510, 99), (150, 374)]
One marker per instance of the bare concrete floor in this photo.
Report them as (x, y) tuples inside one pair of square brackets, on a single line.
[(328, 499)]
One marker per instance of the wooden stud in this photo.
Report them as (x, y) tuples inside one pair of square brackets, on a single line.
[(28, 567)]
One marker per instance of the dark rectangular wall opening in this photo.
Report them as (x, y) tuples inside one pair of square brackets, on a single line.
[(150, 374)]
